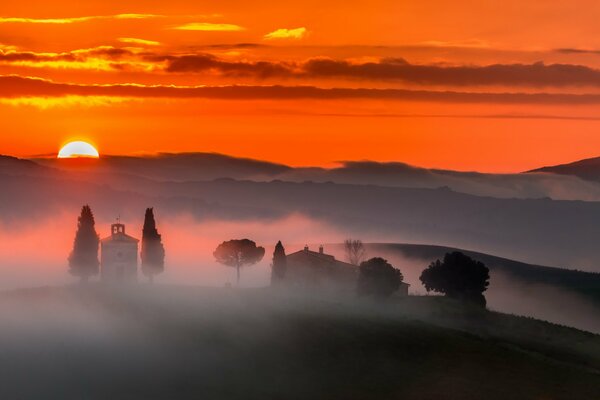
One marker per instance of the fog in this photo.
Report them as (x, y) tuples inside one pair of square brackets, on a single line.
[(188, 167), (34, 254), (510, 294), (187, 336), (155, 342), (537, 230), (546, 302)]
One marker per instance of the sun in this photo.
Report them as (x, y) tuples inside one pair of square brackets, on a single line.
[(78, 149)]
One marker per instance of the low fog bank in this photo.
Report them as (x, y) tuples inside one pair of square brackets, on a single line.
[(556, 233), (208, 166), (35, 254), (541, 301), (523, 186), (161, 341)]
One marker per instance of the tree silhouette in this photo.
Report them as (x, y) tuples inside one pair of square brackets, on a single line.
[(238, 253), (378, 278), (279, 264), (153, 251), (355, 251), (83, 260), (459, 277)]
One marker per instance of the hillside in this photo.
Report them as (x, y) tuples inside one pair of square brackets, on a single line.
[(257, 344), (586, 169), (558, 295), (180, 167), (584, 283)]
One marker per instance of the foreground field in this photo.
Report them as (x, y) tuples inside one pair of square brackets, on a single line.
[(183, 342)]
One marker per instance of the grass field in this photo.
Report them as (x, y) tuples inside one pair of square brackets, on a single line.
[(187, 343)]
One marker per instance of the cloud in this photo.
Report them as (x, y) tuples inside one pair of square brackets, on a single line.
[(568, 50), (68, 101), (103, 58), (394, 70), (283, 33), (399, 70), (466, 44), (139, 41), (12, 86), (72, 20), (209, 27), (234, 46), (7, 47), (535, 75), (208, 62)]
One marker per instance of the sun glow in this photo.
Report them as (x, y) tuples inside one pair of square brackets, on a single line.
[(78, 149)]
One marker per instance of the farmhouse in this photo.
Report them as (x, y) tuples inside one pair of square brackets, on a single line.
[(307, 268), (118, 259), (312, 269)]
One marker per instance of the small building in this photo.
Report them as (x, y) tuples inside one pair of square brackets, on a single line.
[(307, 268), (119, 256), (311, 269)]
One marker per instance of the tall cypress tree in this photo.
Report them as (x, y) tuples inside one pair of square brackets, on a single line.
[(279, 264), (153, 251), (83, 260)]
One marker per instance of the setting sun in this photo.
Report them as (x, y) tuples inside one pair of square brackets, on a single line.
[(78, 149)]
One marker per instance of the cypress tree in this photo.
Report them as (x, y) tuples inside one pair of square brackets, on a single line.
[(83, 260), (279, 264), (153, 251)]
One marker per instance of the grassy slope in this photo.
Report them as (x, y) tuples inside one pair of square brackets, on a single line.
[(165, 342), (581, 282)]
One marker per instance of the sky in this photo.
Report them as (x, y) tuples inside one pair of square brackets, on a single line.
[(488, 86)]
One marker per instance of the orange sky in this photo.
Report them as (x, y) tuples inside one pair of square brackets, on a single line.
[(447, 84)]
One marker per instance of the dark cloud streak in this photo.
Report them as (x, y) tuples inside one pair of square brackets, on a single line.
[(393, 70), (397, 69), (16, 86)]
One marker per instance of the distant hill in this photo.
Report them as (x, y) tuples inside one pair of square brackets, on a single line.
[(175, 166), (586, 169), (14, 165), (180, 167), (154, 342)]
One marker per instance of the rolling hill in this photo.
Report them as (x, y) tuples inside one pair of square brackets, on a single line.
[(256, 344), (586, 169), (558, 295), (180, 167), (584, 283)]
